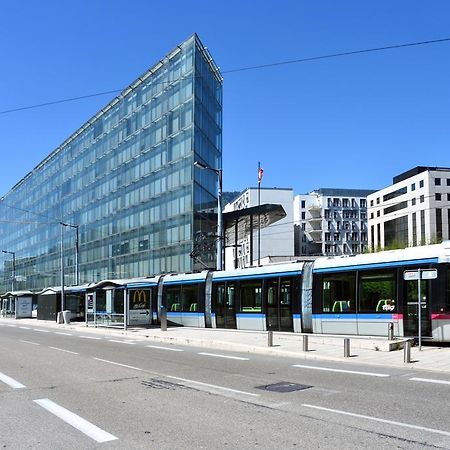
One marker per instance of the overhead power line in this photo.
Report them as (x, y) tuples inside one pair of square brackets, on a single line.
[(243, 69)]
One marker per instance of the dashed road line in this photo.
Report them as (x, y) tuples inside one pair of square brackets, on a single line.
[(429, 380), (64, 350), (11, 382), (165, 348), (90, 337), (118, 364), (62, 333), (354, 372), (239, 358), (41, 331), (377, 419), (25, 328), (122, 342), (88, 428), (29, 342)]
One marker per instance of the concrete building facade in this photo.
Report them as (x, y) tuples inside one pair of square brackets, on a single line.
[(414, 210)]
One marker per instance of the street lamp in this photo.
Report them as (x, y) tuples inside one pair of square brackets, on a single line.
[(77, 269), (13, 268), (62, 259), (218, 172)]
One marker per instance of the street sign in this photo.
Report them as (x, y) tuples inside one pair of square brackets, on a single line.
[(425, 274)]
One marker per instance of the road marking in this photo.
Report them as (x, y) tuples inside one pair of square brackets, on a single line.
[(90, 337), (42, 331), (166, 348), (240, 358), (25, 328), (29, 342), (122, 342), (377, 419), (13, 326), (11, 382), (199, 383), (76, 421), (63, 350), (63, 334), (119, 364), (328, 369), (430, 380)]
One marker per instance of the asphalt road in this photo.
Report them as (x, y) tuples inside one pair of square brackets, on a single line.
[(64, 390)]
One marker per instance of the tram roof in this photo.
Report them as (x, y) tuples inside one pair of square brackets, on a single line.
[(269, 269)]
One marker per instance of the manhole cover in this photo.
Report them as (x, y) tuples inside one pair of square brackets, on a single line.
[(284, 386)]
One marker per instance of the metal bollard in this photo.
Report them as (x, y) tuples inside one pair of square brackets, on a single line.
[(305, 343), (270, 338), (391, 331), (163, 318), (346, 347), (407, 352)]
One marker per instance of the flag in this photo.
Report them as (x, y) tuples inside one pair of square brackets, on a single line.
[(260, 175)]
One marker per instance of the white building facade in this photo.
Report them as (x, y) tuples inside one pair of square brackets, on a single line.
[(414, 210), (276, 240), (331, 222)]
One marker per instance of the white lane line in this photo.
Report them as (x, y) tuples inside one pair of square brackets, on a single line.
[(166, 348), (118, 364), (64, 350), (328, 369), (42, 331), (240, 358), (11, 382), (63, 334), (90, 337), (76, 421), (213, 386), (29, 342), (377, 419), (430, 380), (12, 326), (122, 342), (25, 328)]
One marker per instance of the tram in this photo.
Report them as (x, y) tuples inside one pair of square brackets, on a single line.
[(353, 295)]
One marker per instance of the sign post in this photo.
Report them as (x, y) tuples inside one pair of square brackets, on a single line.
[(419, 274)]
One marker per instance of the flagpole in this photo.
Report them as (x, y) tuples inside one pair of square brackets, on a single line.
[(259, 214)]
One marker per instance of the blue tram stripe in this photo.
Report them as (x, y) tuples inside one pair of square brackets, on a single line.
[(184, 314), (362, 316), (250, 315), (376, 265)]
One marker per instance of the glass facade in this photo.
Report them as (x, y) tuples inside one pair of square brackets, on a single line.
[(126, 179)]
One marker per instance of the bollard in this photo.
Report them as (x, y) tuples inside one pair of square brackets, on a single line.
[(270, 338), (305, 343), (391, 331), (407, 352), (346, 347), (163, 318)]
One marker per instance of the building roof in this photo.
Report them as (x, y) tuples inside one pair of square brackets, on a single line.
[(415, 171), (344, 192)]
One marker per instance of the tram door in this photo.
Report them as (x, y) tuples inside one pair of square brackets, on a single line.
[(224, 301), (279, 304), (411, 311)]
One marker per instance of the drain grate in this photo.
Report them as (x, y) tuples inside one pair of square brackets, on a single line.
[(161, 384), (284, 386)]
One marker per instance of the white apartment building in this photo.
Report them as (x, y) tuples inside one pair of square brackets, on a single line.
[(331, 222), (276, 240), (414, 210)]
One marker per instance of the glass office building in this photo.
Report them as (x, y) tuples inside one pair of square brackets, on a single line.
[(126, 182)]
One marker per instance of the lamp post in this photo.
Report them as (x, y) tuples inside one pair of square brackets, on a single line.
[(13, 268), (77, 269), (218, 172)]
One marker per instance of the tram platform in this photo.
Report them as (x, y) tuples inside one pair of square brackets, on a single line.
[(362, 349)]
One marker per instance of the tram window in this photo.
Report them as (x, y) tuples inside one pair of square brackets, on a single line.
[(190, 298), (339, 293), (220, 295), (447, 297), (377, 293), (272, 293), (173, 296), (285, 292), (251, 296), (230, 295)]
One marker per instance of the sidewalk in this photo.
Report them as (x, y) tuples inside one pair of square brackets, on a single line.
[(363, 350)]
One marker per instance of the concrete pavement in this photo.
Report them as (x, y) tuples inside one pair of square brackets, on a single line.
[(363, 350)]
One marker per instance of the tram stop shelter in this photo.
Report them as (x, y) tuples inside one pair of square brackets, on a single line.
[(18, 304)]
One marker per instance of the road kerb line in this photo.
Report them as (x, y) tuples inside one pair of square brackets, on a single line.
[(377, 419), (87, 428)]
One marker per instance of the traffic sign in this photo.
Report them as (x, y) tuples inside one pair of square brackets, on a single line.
[(425, 274)]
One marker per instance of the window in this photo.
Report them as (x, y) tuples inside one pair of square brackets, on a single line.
[(378, 213), (303, 226), (337, 237), (377, 292), (413, 187), (303, 215), (439, 224), (448, 181), (448, 197), (371, 215), (251, 296), (371, 202), (413, 202), (328, 236), (437, 181), (394, 194), (396, 207), (363, 203), (421, 183), (378, 201), (422, 198), (437, 197), (338, 293), (303, 204)]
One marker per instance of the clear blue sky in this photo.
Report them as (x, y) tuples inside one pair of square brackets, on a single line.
[(351, 122)]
